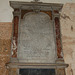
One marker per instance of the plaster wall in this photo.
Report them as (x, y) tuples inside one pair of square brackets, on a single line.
[(68, 36)]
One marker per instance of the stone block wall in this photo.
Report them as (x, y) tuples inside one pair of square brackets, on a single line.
[(5, 46)]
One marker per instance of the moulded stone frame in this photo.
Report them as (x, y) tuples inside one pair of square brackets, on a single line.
[(36, 6)]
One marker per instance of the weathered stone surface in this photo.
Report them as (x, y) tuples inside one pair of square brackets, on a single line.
[(60, 71), (68, 36), (36, 42), (5, 30), (13, 71), (5, 45)]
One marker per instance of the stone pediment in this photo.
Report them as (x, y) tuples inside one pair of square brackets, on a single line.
[(35, 5)]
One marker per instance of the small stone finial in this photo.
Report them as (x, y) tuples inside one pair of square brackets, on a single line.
[(36, 0)]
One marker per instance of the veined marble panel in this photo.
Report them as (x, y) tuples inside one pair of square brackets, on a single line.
[(36, 39)]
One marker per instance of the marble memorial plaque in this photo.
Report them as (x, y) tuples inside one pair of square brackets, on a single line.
[(36, 39)]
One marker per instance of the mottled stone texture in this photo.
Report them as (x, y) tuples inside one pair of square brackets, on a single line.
[(58, 37), (15, 36), (5, 36), (68, 36)]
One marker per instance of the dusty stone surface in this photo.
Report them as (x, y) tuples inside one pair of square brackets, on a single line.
[(68, 36)]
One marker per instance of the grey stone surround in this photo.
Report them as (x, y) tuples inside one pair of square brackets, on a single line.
[(36, 37)]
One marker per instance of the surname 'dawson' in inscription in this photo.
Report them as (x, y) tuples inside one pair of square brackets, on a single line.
[(36, 39)]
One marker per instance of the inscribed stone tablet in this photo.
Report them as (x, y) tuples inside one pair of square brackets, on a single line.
[(36, 39)]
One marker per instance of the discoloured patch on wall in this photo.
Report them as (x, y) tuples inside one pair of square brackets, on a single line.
[(68, 36)]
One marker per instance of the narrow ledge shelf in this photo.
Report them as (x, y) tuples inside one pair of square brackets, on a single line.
[(37, 65)]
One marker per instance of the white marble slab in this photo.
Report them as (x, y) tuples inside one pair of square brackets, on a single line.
[(36, 39)]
